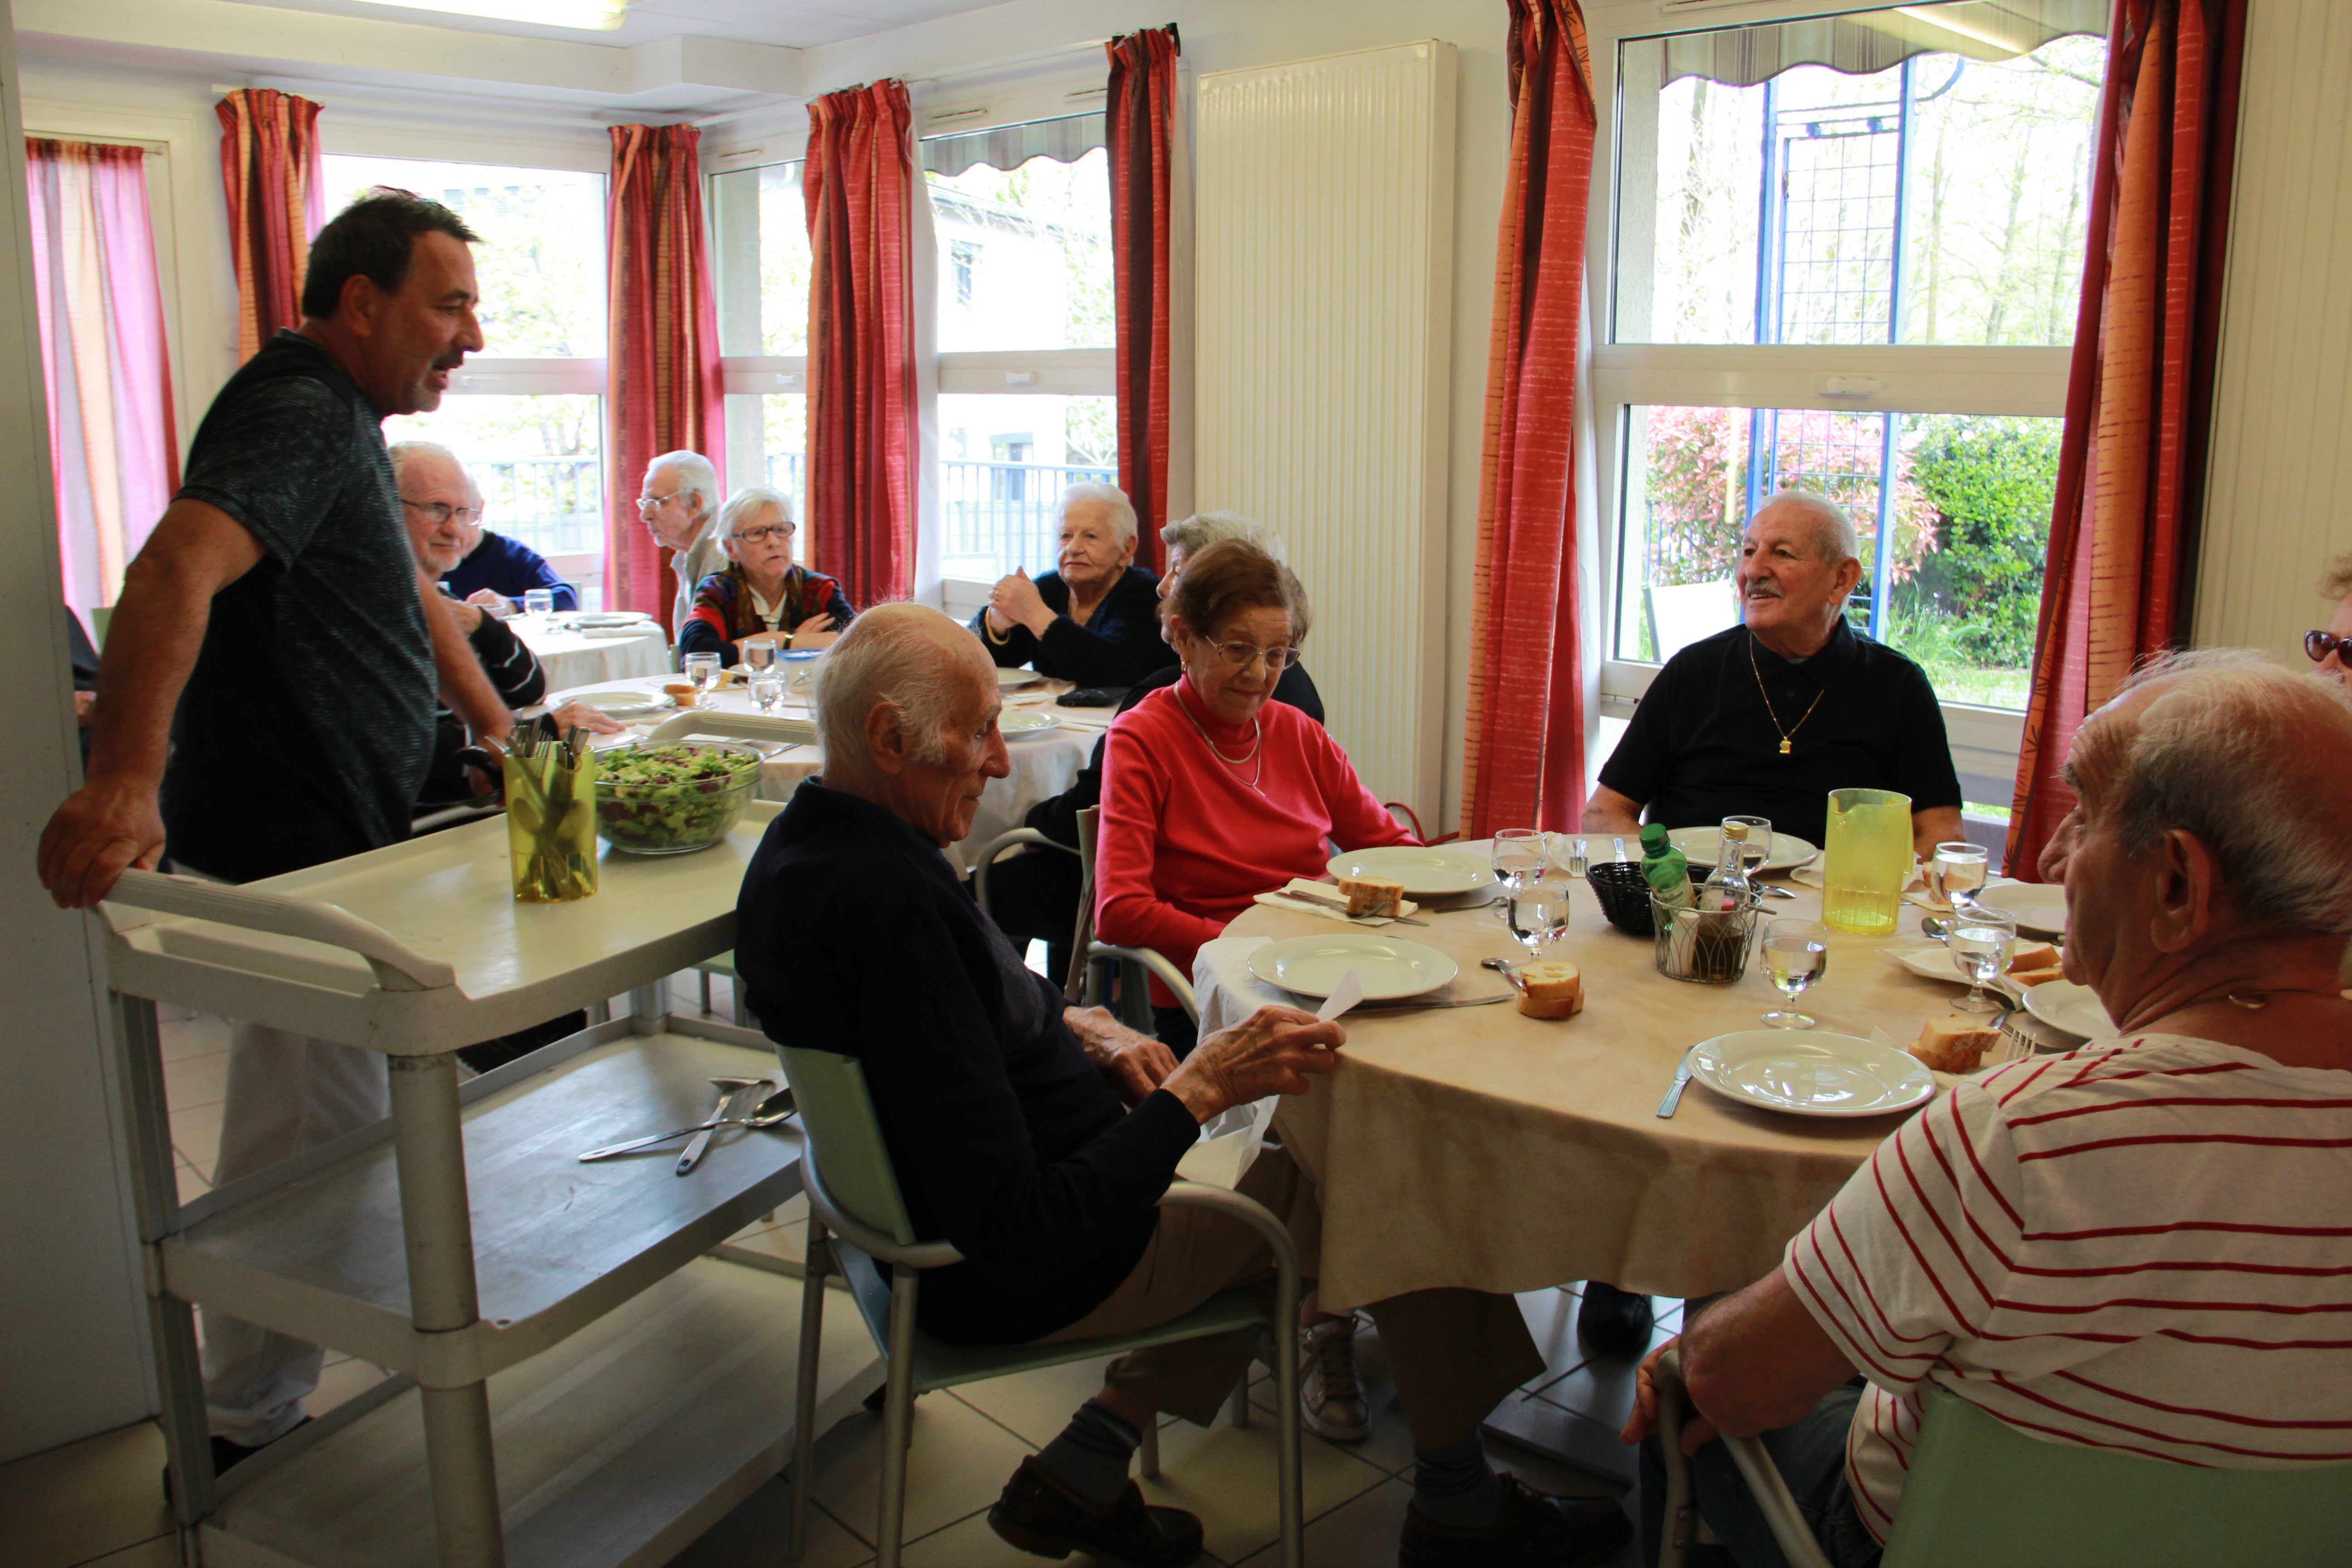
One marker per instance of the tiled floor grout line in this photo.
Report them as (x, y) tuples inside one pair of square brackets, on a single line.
[(112, 1551)]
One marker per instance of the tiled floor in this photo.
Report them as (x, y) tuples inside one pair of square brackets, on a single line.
[(98, 1501)]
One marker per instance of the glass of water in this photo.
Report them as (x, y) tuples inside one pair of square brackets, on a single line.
[(767, 690), (702, 668), (539, 604), (1796, 953), (1536, 910), (1956, 874), (1759, 842), (1518, 853), (1981, 940), (760, 655)]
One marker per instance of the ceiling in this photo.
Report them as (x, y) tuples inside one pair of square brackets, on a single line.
[(789, 24)]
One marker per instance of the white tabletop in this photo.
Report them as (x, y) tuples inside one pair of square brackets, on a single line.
[(572, 659), (1044, 764)]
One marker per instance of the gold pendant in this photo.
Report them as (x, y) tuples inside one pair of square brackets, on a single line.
[(1784, 745)]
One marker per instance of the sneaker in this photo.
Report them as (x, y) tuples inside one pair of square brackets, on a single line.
[(1532, 1530), (1040, 1515), (1613, 1322), (1330, 1394)]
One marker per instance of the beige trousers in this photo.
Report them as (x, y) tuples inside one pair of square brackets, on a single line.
[(1455, 1353)]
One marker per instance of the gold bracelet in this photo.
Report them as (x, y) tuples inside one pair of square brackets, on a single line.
[(990, 633)]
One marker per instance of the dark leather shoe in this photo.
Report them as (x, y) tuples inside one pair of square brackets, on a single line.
[(1614, 1323), (1037, 1513), (1533, 1529)]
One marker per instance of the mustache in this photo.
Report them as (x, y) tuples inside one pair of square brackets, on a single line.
[(1762, 591), (450, 362)]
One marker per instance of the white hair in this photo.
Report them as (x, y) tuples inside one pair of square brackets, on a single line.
[(893, 655), (746, 504), (2228, 751), (404, 453), (1197, 532), (1833, 538), (1123, 510), (694, 473)]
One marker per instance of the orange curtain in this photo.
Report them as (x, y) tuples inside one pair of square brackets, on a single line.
[(663, 388), (1524, 764), (276, 201), (1141, 132), (2131, 467), (860, 184)]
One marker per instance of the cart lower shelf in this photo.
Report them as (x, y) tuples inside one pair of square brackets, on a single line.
[(616, 1448)]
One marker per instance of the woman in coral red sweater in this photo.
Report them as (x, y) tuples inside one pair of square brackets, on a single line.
[(1212, 792)]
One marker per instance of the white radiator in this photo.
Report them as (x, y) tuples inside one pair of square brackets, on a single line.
[(1324, 298)]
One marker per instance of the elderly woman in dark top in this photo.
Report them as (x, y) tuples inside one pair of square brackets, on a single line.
[(764, 596), (1095, 620)]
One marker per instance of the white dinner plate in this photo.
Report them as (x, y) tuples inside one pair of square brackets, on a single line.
[(1386, 966), (1426, 871), (624, 702), (2063, 1005), (1812, 1074), (1933, 961), (1027, 722), (610, 618), (2038, 908), (1014, 679), (1700, 845)]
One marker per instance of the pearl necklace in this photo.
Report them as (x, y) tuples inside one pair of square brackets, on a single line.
[(1256, 742)]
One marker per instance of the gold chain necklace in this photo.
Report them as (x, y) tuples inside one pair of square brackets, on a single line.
[(1258, 741), (1786, 735)]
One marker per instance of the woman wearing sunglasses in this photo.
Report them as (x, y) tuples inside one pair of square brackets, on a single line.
[(2332, 649), (763, 595)]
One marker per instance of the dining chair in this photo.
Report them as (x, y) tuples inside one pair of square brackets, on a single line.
[(1978, 1491), (859, 1228), (1093, 958), (996, 849)]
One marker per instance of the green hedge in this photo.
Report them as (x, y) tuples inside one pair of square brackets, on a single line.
[(1991, 480)]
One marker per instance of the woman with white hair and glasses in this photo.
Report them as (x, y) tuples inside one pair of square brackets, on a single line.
[(764, 596), (1095, 620)]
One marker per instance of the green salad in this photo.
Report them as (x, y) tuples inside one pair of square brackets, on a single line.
[(661, 799)]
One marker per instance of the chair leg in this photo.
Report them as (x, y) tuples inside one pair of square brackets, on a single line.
[(1148, 1456), (815, 1265), (897, 1418), (703, 976), (1241, 1401), (1285, 1421)]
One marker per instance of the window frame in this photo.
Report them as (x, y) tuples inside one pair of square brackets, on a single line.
[(1875, 379)]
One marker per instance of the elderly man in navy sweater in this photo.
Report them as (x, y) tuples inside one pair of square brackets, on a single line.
[(1037, 1138)]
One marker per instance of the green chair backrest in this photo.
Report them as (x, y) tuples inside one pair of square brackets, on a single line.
[(99, 616), (838, 1113), (1981, 1492)]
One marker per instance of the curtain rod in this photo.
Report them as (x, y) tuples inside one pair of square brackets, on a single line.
[(984, 67)]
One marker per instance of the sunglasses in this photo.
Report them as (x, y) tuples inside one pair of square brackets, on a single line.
[(2319, 645)]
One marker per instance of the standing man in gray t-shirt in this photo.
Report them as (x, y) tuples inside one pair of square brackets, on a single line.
[(267, 691)]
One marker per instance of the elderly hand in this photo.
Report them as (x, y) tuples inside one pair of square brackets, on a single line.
[(103, 828), (85, 704), (1015, 602), (595, 720), (1697, 1430), (1270, 1052), (490, 599), (815, 632), (468, 614), (1135, 1064)]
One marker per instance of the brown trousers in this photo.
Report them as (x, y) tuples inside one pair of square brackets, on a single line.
[(1455, 1353)]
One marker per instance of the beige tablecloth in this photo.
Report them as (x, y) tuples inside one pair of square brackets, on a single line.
[(1475, 1147), (572, 661), (1043, 764)]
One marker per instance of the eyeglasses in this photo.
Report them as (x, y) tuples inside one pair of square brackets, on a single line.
[(646, 503), (1242, 654), (762, 535), (2319, 645), (441, 511)]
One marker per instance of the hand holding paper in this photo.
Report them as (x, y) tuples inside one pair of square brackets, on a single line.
[(1346, 994)]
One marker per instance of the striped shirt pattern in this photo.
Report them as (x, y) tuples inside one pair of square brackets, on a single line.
[(2143, 1245)]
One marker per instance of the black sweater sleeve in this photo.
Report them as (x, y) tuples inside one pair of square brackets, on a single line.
[(1118, 644), (700, 636), (513, 668)]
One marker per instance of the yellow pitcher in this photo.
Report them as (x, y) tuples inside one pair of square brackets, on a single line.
[(1866, 859)]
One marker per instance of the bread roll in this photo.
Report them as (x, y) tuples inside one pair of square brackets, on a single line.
[(1371, 895), (1551, 989), (680, 689), (2032, 955), (1955, 1045)]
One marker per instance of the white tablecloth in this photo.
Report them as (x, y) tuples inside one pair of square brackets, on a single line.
[(573, 660), (1043, 764)]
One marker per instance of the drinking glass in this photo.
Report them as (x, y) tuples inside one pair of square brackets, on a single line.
[(539, 604), (702, 668), (1759, 842), (1536, 910), (1796, 952), (1956, 874), (760, 655), (1981, 940), (767, 690), (1518, 853)]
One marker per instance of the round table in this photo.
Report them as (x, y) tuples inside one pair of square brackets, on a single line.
[(1044, 764), (1476, 1147), (572, 659)]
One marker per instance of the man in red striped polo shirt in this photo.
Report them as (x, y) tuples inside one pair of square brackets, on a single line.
[(2140, 1246)]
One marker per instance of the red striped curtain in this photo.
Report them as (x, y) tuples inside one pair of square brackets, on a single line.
[(2131, 466), (1143, 125), (104, 362), (1523, 762), (861, 182), (663, 389), (276, 201)]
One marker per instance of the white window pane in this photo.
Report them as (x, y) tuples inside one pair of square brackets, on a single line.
[(1024, 254), (539, 460), (759, 224), (767, 444), (1004, 462), (541, 264)]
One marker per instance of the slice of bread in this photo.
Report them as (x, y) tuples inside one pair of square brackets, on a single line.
[(2032, 955), (1371, 895), (1955, 1045), (2037, 976), (1552, 989)]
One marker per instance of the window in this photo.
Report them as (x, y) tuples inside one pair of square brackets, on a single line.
[(761, 265), (962, 256), (526, 416), (1846, 256)]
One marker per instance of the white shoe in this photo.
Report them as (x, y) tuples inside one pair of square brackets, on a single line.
[(1330, 1394)]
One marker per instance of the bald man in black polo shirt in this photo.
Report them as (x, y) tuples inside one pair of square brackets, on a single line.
[(1768, 717)]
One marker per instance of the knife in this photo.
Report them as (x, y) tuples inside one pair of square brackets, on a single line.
[(1675, 1091), (1410, 1003), (1341, 906), (693, 1155)]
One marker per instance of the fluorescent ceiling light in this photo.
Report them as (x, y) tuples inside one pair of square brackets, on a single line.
[(598, 16)]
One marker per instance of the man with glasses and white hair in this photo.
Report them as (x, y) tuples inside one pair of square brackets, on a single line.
[(677, 501), (2138, 1246), (1095, 620)]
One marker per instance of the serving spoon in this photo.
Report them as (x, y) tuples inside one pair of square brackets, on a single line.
[(767, 1113)]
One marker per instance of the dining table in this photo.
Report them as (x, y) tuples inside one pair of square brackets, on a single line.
[(573, 654), (1045, 757)]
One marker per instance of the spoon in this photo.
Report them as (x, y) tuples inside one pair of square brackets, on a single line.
[(776, 1108), (1503, 967)]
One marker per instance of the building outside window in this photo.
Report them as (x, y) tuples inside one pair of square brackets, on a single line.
[(526, 416), (761, 265)]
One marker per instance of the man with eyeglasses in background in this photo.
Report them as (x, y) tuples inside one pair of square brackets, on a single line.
[(678, 501), (491, 571)]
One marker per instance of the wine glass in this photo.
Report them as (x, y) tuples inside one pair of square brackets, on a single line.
[(1759, 842), (1981, 940), (1518, 853), (767, 690), (1956, 874), (1536, 910), (702, 668), (759, 656), (1796, 952)]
